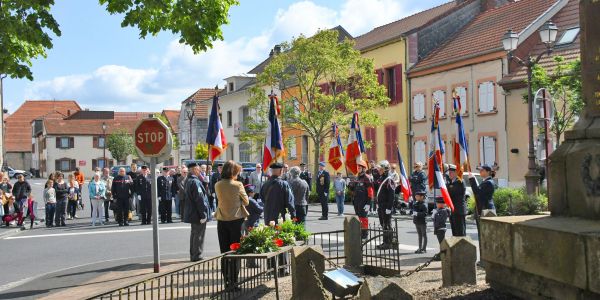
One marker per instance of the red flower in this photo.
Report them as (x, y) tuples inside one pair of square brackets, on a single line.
[(279, 242), (278, 228), (250, 228), (234, 246), (295, 220)]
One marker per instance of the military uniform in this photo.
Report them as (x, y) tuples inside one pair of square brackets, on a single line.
[(484, 193), (165, 196), (456, 189), (276, 195), (306, 176), (385, 201), (143, 189), (121, 190), (323, 183), (195, 212), (362, 193)]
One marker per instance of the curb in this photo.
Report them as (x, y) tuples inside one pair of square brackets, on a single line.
[(10, 232)]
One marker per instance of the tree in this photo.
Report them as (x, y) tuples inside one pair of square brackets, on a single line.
[(564, 84), (323, 81), (120, 144), (201, 151)]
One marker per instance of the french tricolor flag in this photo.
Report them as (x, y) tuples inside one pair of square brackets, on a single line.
[(404, 182), (215, 137), (441, 184), (355, 146), (273, 149)]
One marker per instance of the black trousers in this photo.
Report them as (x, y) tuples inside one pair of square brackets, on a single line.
[(422, 233), (324, 205), (229, 232), (166, 210), (440, 234), (146, 210), (386, 224), (123, 211), (106, 208), (301, 213), (72, 208), (458, 225)]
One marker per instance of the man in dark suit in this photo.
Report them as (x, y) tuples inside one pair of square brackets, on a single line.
[(323, 183), (456, 189), (216, 176), (306, 175), (165, 196), (143, 188), (195, 211)]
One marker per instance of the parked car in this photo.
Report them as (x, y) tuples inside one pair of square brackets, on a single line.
[(468, 191), (114, 171), (13, 173)]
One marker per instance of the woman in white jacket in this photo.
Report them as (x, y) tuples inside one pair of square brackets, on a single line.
[(97, 191)]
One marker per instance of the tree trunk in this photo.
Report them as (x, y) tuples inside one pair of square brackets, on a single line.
[(2, 76), (317, 156)]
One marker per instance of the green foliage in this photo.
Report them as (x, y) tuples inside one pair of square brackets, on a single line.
[(303, 65), (24, 35), (198, 22), (120, 144), (564, 84), (296, 229), (201, 151), (259, 240), (513, 201), (165, 120)]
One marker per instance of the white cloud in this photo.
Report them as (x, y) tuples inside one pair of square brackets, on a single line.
[(179, 72)]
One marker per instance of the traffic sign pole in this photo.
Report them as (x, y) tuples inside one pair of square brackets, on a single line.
[(155, 237)]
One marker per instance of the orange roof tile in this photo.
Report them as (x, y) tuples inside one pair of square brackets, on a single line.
[(484, 34), (396, 29), (201, 98), (18, 124), (87, 127), (173, 117)]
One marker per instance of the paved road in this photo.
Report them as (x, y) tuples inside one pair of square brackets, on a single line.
[(46, 260)]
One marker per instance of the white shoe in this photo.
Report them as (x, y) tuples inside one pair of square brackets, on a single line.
[(69, 218)]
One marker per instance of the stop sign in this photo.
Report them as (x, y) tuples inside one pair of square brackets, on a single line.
[(152, 138)]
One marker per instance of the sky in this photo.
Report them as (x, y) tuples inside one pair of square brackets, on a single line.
[(106, 67)]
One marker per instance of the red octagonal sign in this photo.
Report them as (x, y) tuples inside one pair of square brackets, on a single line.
[(151, 137)]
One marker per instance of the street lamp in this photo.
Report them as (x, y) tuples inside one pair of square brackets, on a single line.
[(104, 144), (189, 112), (510, 42)]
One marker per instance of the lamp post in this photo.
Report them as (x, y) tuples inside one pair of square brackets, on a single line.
[(189, 112), (510, 41), (104, 144)]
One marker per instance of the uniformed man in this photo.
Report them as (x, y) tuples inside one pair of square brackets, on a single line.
[(143, 188), (306, 175), (134, 204), (323, 183), (362, 192), (121, 191), (165, 196), (418, 178), (195, 211), (484, 191), (216, 176), (373, 170), (456, 189), (385, 200), (276, 195)]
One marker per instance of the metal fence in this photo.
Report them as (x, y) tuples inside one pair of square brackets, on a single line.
[(222, 277), (332, 243), (381, 254)]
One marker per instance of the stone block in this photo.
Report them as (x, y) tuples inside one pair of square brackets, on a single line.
[(352, 242), (553, 247), (557, 191), (582, 173), (304, 284), (592, 250), (497, 238), (458, 255), (380, 288)]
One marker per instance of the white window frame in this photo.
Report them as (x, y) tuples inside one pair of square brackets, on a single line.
[(419, 107), (440, 95), (101, 142), (62, 142), (62, 165)]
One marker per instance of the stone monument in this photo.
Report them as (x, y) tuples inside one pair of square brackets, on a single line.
[(458, 254), (304, 283), (558, 256)]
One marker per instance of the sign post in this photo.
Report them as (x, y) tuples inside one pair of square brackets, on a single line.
[(153, 143)]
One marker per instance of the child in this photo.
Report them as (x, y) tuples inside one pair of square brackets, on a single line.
[(50, 202), (439, 216), (255, 208), (12, 212), (419, 214)]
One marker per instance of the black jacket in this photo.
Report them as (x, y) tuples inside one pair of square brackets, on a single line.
[(165, 188), (386, 188), (121, 188), (439, 219), (62, 191), (456, 189), (21, 190), (6, 187), (323, 183), (360, 193), (277, 195), (418, 181), (484, 193), (216, 176), (307, 176), (143, 186), (421, 209), (195, 202)]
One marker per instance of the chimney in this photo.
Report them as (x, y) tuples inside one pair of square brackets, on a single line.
[(271, 53), (68, 112), (277, 49)]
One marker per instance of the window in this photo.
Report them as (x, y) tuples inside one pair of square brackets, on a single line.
[(64, 165), (98, 142), (391, 138), (371, 137), (462, 93), (231, 86), (203, 123), (230, 151), (100, 163), (440, 96), (101, 142), (420, 151), (65, 142), (244, 152), (419, 107), (392, 78), (390, 83), (487, 150), (229, 118), (305, 149), (568, 36), (296, 104), (486, 97), (293, 153)]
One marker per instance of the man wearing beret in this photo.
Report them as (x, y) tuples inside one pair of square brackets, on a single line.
[(456, 189), (277, 195), (143, 188), (165, 196), (195, 211), (323, 183)]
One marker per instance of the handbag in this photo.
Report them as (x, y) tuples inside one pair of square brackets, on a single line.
[(112, 205)]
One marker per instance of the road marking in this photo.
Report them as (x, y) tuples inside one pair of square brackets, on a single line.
[(405, 247), (98, 232)]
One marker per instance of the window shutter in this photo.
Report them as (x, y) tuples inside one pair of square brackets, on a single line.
[(462, 93), (394, 156), (324, 88), (440, 96), (57, 142), (420, 151), (73, 165), (398, 78), (419, 107), (481, 150), (380, 76), (94, 163), (95, 142), (56, 165), (490, 150), (490, 96), (387, 137), (71, 142), (482, 94)]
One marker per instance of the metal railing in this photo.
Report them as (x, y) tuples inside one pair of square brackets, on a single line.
[(332, 243), (380, 249), (226, 276)]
